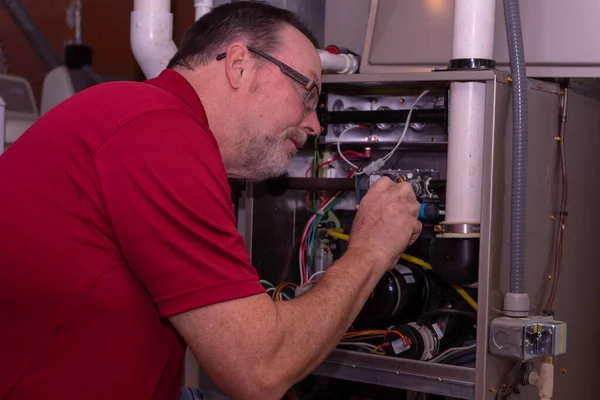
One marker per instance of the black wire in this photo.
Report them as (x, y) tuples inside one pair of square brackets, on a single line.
[(448, 311)]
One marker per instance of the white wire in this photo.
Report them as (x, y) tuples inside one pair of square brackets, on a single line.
[(265, 282), (406, 125), (391, 153), (359, 344), (451, 351), (313, 276), (339, 147)]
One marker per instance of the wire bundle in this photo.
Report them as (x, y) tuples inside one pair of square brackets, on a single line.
[(309, 234), (361, 339)]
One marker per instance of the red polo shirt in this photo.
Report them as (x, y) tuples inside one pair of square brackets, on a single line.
[(115, 213)]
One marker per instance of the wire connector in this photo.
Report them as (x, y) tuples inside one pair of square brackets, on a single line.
[(373, 166)]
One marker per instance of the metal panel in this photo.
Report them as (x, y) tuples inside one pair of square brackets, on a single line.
[(346, 25), (497, 98), (578, 297), (543, 127), (417, 35), (457, 382)]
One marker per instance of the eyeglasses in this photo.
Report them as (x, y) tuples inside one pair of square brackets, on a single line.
[(311, 97)]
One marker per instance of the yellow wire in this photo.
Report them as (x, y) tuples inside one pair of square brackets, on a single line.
[(338, 235), (417, 261)]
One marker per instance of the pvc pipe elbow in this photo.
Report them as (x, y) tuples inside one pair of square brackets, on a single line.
[(340, 63), (151, 39)]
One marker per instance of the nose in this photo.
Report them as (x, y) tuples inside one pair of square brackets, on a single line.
[(311, 124)]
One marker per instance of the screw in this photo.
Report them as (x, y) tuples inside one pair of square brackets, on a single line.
[(540, 86), (563, 370), (437, 228), (552, 218), (557, 138), (549, 277), (401, 100), (432, 139), (321, 105), (492, 389), (447, 305), (509, 80)]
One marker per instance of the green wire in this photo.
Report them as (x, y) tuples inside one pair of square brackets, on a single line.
[(316, 225), (313, 205)]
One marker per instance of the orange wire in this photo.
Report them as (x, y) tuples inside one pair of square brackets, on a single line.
[(349, 335), (282, 286)]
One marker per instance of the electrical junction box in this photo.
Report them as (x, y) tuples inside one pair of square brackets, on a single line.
[(527, 338)]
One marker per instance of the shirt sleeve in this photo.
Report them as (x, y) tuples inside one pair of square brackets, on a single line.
[(169, 204)]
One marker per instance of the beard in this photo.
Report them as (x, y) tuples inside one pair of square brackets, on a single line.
[(265, 156)]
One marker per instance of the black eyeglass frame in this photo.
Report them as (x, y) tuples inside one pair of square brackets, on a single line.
[(308, 84)]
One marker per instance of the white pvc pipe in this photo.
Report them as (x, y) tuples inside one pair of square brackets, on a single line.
[(474, 29), (465, 152), (151, 35), (473, 38), (159, 6), (202, 7), (340, 63)]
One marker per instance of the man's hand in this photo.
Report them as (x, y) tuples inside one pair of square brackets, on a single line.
[(386, 222)]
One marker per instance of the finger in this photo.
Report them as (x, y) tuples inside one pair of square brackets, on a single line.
[(406, 191), (415, 209), (383, 182), (416, 233)]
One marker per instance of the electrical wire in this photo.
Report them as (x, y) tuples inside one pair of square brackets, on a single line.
[(339, 146), (416, 261), (559, 238), (279, 295), (406, 125), (391, 153), (365, 345), (452, 351), (357, 185), (378, 332)]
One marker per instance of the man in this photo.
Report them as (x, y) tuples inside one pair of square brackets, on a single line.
[(118, 243)]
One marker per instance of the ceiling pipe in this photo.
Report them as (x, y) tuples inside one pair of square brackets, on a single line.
[(202, 7), (151, 38), (151, 35)]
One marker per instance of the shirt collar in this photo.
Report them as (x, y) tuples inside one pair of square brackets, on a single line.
[(173, 82)]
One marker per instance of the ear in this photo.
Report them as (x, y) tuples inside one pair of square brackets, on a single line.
[(237, 64)]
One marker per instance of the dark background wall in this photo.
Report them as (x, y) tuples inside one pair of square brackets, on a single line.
[(105, 29)]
